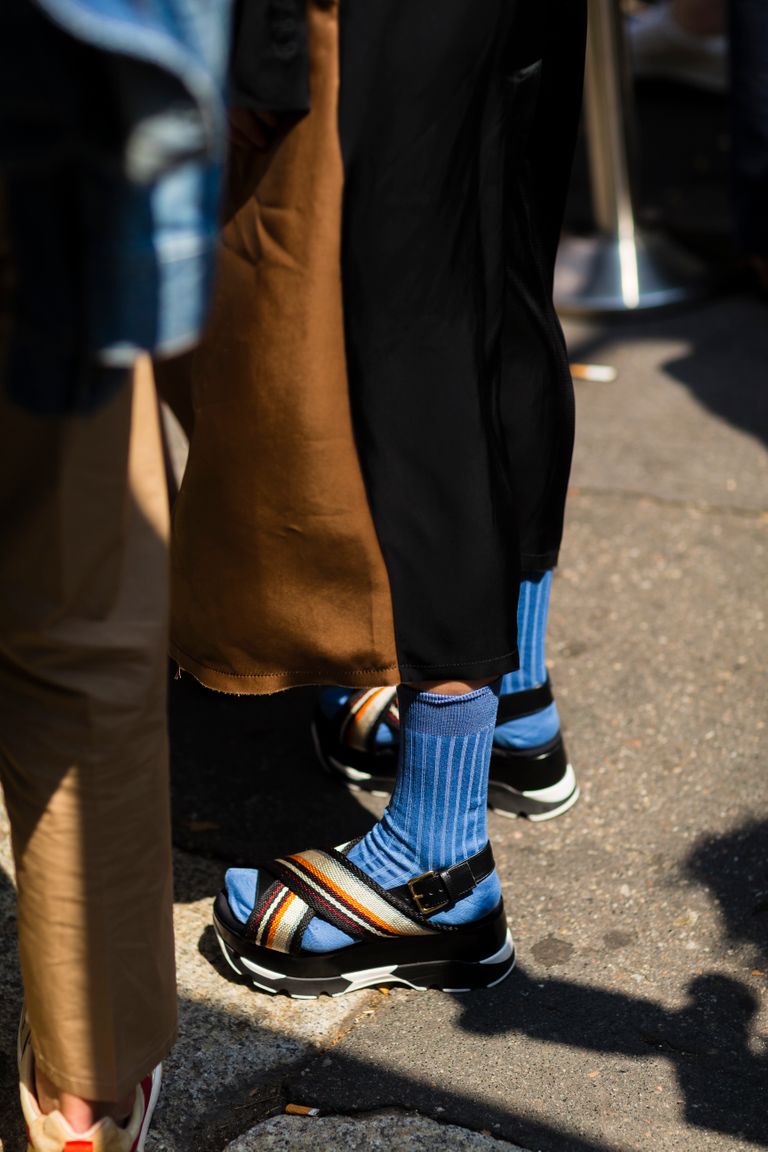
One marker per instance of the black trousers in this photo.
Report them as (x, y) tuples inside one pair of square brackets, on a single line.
[(457, 124)]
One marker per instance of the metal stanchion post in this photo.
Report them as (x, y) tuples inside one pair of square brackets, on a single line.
[(622, 267)]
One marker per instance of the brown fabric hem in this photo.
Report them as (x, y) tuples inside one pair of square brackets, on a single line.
[(266, 683), (93, 1089)]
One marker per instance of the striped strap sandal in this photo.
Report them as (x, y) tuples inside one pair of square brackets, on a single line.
[(395, 940), (538, 783)]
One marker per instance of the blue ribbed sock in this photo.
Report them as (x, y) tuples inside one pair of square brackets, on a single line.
[(436, 815), (532, 611)]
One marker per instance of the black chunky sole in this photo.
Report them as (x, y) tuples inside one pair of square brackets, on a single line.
[(476, 955), (537, 783)]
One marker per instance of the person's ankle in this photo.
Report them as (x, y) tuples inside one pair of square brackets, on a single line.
[(80, 1114)]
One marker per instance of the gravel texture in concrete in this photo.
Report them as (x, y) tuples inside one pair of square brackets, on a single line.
[(379, 1132)]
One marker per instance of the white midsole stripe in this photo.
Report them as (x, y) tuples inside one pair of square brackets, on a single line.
[(555, 792), (367, 976), (350, 772), (503, 953)]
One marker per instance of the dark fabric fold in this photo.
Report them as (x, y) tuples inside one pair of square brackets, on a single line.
[(269, 69)]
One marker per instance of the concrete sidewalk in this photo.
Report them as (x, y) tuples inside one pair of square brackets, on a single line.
[(636, 1017)]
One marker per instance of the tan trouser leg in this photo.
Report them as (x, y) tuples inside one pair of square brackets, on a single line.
[(83, 757)]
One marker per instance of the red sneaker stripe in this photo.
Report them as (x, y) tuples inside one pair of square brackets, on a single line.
[(146, 1089)]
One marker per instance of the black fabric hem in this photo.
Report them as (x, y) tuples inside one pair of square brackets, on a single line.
[(469, 670), (538, 561)]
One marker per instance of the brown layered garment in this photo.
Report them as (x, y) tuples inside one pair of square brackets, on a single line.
[(381, 411)]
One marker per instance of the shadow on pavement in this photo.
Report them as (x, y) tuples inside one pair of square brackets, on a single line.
[(260, 784), (709, 1041), (727, 339), (733, 867), (246, 784)]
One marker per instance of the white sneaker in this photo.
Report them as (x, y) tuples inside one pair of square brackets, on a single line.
[(50, 1132), (660, 49)]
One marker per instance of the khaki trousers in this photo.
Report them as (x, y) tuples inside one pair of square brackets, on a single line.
[(83, 755)]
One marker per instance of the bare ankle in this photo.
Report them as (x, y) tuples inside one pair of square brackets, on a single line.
[(80, 1113), (451, 687)]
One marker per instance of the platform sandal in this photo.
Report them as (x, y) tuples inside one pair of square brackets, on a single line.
[(538, 783), (396, 942)]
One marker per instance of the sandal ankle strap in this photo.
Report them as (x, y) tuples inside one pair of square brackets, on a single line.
[(434, 891), (514, 705)]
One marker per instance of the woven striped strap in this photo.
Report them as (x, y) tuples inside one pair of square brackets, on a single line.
[(326, 884), (363, 714)]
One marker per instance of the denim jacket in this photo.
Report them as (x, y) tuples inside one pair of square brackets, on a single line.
[(112, 130)]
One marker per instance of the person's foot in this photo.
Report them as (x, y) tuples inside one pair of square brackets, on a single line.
[(385, 936), (51, 1131), (415, 901), (80, 1114), (357, 737), (661, 49)]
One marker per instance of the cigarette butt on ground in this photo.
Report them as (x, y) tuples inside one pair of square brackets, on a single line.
[(594, 373), (301, 1110)]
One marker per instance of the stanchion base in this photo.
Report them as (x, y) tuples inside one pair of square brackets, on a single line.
[(601, 274)]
